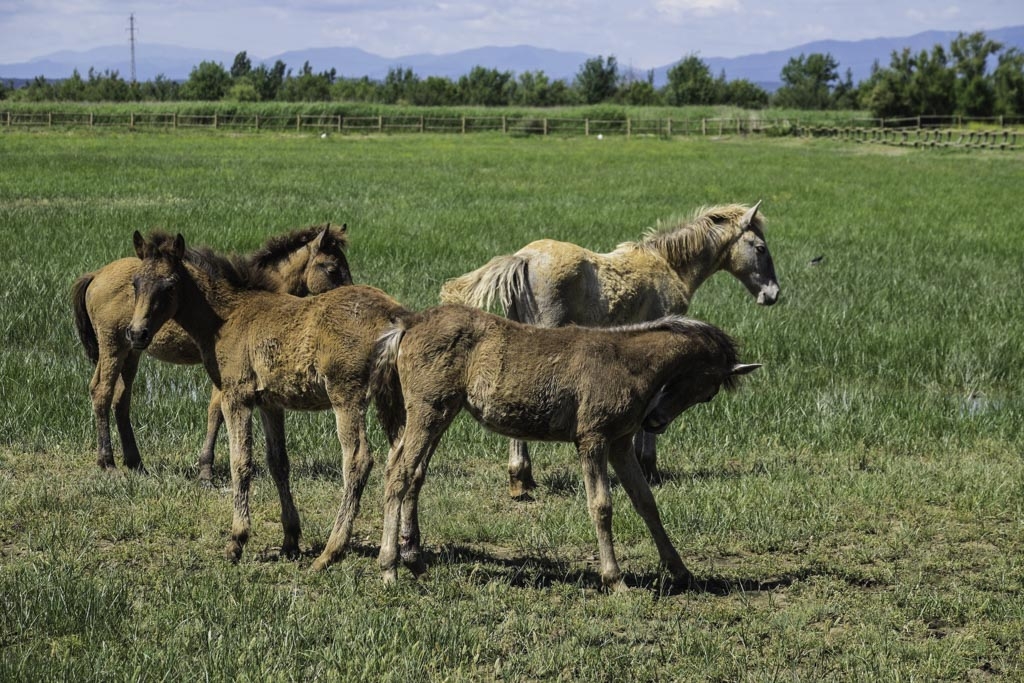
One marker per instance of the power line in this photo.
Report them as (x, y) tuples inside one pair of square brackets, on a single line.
[(131, 33)]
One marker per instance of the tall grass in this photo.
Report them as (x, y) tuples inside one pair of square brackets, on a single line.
[(856, 509)]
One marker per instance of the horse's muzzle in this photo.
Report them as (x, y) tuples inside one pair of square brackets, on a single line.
[(139, 339), (768, 295)]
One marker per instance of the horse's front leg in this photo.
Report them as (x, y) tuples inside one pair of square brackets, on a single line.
[(280, 470), (634, 481), (238, 418), (101, 391), (593, 453), (122, 412), (520, 471), (357, 461), (645, 447), (214, 419)]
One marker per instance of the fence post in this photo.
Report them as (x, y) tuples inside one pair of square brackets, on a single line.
[(257, 123), (298, 123), (463, 124), (703, 126), (586, 127), (215, 121), (421, 124), (668, 128), (49, 119), (504, 124), (545, 125), (629, 127)]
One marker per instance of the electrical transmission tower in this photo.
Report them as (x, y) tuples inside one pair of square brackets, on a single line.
[(131, 35)]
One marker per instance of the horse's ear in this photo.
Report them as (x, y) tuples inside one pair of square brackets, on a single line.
[(748, 217), (343, 229), (323, 240), (179, 246), (744, 368), (140, 244)]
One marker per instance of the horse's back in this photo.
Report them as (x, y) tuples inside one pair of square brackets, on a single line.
[(574, 285)]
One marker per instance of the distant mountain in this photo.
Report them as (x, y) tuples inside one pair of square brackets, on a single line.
[(176, 63), (150, 61), (858, 56), (351, 61)]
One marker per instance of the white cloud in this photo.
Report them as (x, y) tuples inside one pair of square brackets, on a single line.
[(704, 8), (924, 17)]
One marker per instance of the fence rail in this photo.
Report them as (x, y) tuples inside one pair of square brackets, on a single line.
[(920, 131)]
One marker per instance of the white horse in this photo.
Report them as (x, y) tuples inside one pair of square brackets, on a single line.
[(551, 284)]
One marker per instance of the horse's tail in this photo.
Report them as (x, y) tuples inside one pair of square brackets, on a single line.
[(385, 386), (502, 276), (83, 323)]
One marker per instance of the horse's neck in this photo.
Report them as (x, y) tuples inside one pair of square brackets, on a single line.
[(288, 274), (203, 306), (660, 355), (697, 263)]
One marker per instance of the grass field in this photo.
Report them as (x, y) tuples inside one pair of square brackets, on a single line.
[(856, 510)]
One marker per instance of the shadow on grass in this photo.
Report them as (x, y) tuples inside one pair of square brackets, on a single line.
[(520, 571)]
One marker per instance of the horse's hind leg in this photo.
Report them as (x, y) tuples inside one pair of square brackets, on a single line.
[(520, 471), (645, 446), (410, 547), (123, 409), (403, 479), (214, 419), (357, 461), (639, 492), (277, 462)]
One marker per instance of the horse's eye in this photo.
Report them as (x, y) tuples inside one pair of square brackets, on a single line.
[(760, 249)]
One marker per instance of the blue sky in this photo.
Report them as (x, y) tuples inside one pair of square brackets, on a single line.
[(642, 33)]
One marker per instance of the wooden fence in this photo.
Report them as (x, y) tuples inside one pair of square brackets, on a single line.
[(992, 133)]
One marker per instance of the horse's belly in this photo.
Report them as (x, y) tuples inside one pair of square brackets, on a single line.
[(520, 421), (294, 396)]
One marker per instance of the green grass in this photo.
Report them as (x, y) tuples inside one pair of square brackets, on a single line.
[(856, 509)]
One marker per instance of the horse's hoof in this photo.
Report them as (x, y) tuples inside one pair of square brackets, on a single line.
[(416, 565), (233, 552), (389, 576), (617, 585), (683, 580), (290, 552), (520, 489), (320, 564)]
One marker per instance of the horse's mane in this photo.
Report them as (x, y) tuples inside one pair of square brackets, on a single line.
[(281, 247), (679, 239), (713, 337), (239, 271)]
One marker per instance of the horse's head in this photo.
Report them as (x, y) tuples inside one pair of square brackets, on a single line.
[(156, 284), (688, 389), (750, 262), (327, 267)]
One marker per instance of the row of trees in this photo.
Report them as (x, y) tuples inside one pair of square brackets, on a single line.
[(939, 82)]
